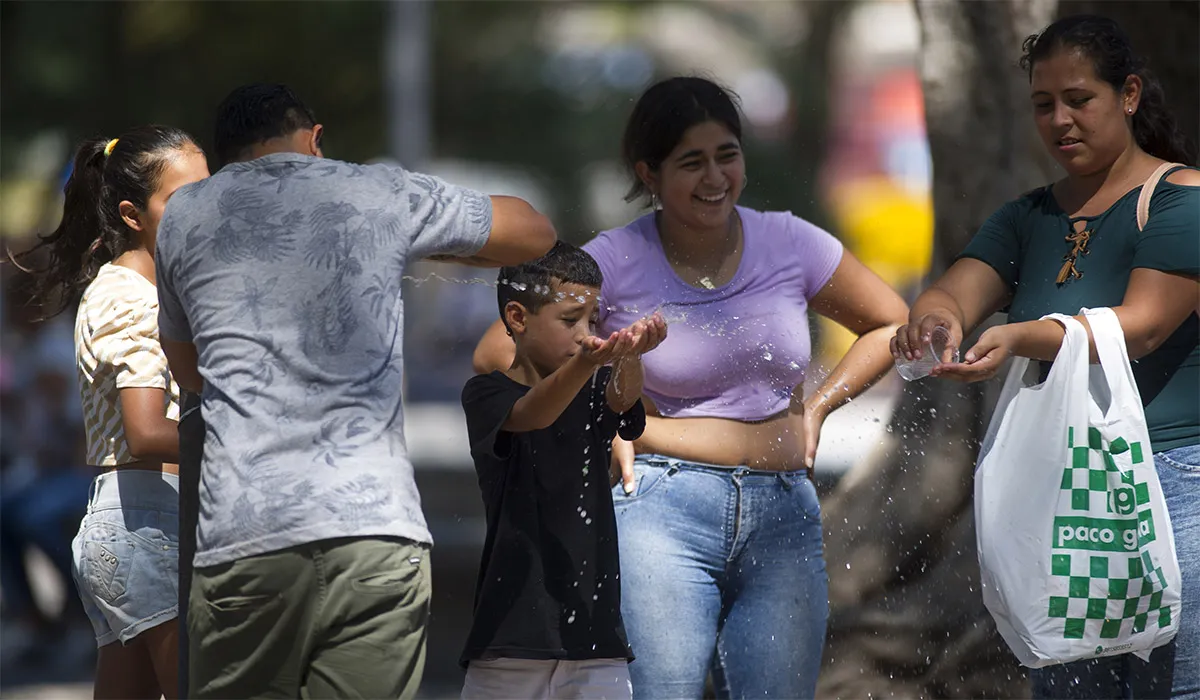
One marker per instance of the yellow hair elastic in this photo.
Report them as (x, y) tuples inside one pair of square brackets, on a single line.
[(109, 148)]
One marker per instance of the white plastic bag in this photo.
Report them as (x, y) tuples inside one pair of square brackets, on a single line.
[(1076, 550)]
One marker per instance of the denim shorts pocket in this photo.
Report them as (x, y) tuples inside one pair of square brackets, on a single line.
[(155, 530), (646, 480), (1185, 459), (107, 555)]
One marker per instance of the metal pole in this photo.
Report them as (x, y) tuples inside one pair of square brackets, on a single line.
[(407, 67)]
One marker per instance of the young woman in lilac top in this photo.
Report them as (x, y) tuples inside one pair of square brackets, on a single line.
[(720, 530)]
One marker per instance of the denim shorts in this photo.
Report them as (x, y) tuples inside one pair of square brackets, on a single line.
[(126, 555)]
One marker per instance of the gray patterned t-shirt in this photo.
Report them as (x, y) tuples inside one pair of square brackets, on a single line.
[(285, 272)]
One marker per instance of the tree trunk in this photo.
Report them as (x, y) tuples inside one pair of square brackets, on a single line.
[(906, 617)]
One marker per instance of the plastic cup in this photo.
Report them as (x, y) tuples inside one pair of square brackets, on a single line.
[(935, 351)]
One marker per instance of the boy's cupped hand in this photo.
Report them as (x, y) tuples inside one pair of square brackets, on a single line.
[(634, 340), (648, 333)]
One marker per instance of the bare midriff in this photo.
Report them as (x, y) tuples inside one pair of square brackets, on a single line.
[(774, 444)]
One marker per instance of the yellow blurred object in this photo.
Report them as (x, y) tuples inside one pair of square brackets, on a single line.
[(22, 204), (890, 229)]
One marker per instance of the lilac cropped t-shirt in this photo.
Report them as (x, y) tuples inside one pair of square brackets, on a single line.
[(735, 351)]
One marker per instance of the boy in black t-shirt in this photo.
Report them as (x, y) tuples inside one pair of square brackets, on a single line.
[(548, 600)]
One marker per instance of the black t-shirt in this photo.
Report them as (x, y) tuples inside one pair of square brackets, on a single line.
[(549, 580)]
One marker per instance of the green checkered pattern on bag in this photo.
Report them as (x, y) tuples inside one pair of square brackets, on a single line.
[(1120, 601), (1107, 582)]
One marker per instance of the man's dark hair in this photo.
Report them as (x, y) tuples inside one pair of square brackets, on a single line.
[(532, 283), (252, 114)]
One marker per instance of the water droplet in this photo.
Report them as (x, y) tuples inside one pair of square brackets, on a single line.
[(571, 618)]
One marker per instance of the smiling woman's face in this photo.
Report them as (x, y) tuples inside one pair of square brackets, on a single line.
[(700, 181)]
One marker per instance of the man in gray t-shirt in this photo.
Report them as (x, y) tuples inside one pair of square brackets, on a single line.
[(279, 284)]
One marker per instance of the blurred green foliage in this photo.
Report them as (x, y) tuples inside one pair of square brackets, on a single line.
[(86, 68)]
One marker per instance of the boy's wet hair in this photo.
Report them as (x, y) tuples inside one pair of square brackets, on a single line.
[(532, 283)]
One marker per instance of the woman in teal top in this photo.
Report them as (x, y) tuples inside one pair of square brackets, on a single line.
[(1076, 243)]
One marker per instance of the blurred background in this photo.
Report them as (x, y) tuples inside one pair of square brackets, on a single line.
[(522, 98)]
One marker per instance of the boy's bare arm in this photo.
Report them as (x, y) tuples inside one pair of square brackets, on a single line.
[(625, 386), (545, 402)]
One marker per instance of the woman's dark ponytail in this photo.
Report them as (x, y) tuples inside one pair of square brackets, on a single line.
[(64, 261), (105, 173)]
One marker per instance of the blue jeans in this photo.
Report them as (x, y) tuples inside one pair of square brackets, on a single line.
[(721, 568), (1127, 676)]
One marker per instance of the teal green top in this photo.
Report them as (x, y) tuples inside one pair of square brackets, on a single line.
[(1024, 242)]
